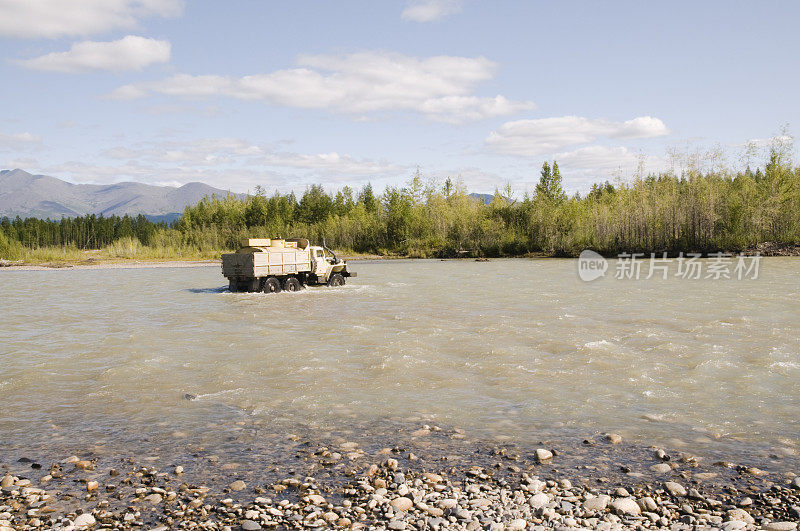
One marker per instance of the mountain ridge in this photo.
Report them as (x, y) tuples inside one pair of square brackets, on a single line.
[(42, 196)]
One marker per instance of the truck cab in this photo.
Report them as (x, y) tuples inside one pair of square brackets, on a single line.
[(326, 266)]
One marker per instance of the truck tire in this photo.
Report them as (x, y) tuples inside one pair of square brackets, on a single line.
[(271, 285), (336, 280), (291, 284), (233, 286)]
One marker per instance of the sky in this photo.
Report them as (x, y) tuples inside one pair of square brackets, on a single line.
[(285, 94)]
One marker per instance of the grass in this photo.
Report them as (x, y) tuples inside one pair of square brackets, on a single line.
[(123, 250)]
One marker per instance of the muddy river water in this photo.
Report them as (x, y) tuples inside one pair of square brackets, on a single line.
[(506, 350)]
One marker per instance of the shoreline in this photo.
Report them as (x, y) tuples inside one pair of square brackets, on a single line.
[(126, 264), (421, 476), (152, 264)]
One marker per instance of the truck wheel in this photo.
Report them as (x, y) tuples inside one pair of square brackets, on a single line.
[(291, 284), (271, 285), (233, 286), (336, 280)]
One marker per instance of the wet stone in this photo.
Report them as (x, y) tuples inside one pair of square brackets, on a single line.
[(676, 489), (543, 455)]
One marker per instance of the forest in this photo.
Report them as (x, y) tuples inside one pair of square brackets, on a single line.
[(698, 211)]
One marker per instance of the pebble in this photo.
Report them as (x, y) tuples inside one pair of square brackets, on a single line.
[(741, 515), (780, 526), (543, 455), (626, 506), (661, 468), (250, 525), (431, 478), (537, 501), (153, 498), (402, 504), (84, 520), (7, 481), (316, 499), (648, 504), (597, 503), (448, 503), (237, 485), (676, 489), (614, 438)]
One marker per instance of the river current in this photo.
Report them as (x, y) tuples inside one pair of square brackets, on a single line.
[(508, 350)]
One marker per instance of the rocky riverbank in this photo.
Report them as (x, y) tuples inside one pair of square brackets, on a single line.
[(431, 478)]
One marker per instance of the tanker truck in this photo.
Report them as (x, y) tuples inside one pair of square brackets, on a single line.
[(271, 265)]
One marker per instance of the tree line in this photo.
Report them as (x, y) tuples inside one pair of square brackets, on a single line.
[(83, 232), (695, 210)]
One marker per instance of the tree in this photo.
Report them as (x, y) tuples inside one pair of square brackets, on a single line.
[(550, 185)]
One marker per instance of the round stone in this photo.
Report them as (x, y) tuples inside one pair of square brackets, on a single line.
[(661, 468), (537, 501), (84, 520), (626, 507), (543, 455), (676, 489), (402, 504)]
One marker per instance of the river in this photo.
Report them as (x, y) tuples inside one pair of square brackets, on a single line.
[(502, 349)]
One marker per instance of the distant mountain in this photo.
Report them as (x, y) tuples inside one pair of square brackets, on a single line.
[(40, 196), (486, 198)]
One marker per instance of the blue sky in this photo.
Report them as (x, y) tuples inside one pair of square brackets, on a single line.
[(285, 94)]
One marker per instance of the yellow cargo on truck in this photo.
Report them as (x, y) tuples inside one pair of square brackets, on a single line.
[(274, 264)]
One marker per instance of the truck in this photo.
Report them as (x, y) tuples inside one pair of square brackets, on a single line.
[(271, 265)]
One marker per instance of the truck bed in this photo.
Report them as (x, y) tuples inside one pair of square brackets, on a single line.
[(276, 262)]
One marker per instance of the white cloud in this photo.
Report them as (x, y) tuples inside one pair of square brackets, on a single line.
[(217, 152), (430, 10), (58, 18), (129, 53), (597, 158), (19, 141), (440, 88), (546, 135)]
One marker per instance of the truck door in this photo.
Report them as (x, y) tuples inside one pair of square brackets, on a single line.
[(320, 264)]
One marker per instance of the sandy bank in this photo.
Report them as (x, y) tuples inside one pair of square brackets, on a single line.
[(128, 264)]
